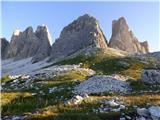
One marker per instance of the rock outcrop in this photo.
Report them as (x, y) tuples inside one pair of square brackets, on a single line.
[(103, 84), (123, 39), (155, 55), (80, 34), (4, 47), (29, 44), (150, 77), (152, 113)]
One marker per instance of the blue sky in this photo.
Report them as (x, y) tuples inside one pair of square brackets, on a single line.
[(142, 17)]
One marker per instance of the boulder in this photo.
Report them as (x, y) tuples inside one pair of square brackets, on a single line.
[(143, 112), (81, 33), (155, 112), (123, 39), (151, 77)]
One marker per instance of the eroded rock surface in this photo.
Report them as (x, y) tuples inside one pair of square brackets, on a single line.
[(4, 47), (151, 77), (29, 44), (123, 39), (80, 34)]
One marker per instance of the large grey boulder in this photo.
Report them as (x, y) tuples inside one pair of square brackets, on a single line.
[(151, 77), (80, 34), (123, 39), (4, 47), (29, 44)]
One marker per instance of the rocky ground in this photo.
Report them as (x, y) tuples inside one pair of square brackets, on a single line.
[(83, 88)]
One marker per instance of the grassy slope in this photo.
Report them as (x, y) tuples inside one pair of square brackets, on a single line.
[(51, 106), (106, 63)]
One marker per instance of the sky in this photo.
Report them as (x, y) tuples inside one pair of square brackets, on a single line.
[(142, 17)]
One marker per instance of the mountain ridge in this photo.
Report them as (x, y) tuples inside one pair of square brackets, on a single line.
[(83, 32)]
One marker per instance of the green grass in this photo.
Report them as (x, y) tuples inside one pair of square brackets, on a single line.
[(5, 79), (80, 116), (18, 103), (52, 107), (137, 86), (104, 63)]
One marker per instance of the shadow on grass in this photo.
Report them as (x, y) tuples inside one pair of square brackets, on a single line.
[(80, 116), (23, 104)]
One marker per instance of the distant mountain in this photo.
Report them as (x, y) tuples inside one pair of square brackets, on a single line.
[(81, 33), (30, 44), (4, 47), (123, 39)]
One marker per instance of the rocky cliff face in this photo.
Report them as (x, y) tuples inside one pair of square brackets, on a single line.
[(29, 44), (4, 47), (80, 34), (44, 49), (122, 38)]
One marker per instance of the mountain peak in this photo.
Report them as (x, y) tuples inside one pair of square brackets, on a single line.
[(17, 32), (29, 44), (81, 33), (124, 39)]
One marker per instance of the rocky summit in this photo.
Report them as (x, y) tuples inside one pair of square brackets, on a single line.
[(123, 39), (80, 34), (4, 46), (29, 44)]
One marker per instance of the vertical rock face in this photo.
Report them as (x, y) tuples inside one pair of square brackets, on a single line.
[(4, 47), (80, 34), (44, 49), (29, 44), (123, 39)]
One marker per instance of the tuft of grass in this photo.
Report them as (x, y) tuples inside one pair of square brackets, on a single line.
[(73, 75), (7, 98), (138, 86), (5, 79)]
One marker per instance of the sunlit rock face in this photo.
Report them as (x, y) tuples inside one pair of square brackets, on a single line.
[(81, 33), (44, 49), (123, 39), (30, 44), (4, 47)]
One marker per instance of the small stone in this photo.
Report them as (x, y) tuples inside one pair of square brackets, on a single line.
[(122, 118), (141, 118), (122, 107), (111, 103), (116, 110), (128, 117)]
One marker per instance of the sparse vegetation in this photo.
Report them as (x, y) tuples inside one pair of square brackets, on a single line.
[(51, 105), (104, 63), (5, 79)]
